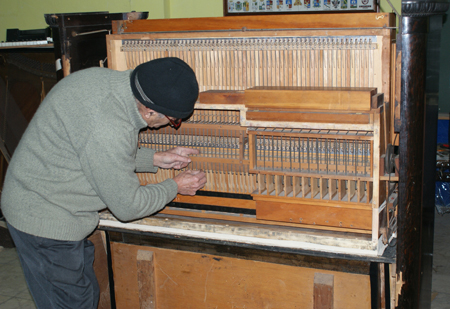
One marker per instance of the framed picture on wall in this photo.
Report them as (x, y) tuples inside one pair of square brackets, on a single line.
[(247, 7)]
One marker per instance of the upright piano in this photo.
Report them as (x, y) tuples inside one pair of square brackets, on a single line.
[(294, 123)]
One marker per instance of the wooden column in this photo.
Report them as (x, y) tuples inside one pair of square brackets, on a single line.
[(414, 28), (323, 291), (146, 279)]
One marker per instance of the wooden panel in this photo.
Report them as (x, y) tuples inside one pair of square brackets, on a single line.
[(195, 280), (310, 98), (221, 97), (309, 21), (249, 219), (314, 214), (309, 117)]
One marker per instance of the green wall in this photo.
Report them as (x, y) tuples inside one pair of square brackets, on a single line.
[(29, 14)]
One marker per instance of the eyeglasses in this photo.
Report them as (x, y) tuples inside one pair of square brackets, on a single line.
[(174, 123)]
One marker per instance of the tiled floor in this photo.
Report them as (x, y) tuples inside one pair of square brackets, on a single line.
[(13, 289), (14, 292), (441, 263)]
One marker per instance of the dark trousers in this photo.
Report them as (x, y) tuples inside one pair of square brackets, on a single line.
[(59, 274)]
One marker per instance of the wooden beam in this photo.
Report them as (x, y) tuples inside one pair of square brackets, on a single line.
[(146, 279), (323, 291)]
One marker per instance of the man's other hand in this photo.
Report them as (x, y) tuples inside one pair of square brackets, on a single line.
[(190, 181), (176, 158)]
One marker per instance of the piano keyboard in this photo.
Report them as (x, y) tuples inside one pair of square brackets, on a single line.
[(26, 43)]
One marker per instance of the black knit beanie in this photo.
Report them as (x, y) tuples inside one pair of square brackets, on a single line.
[(166, 85)]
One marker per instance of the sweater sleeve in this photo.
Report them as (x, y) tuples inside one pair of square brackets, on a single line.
[(109, 161), (144, 160)]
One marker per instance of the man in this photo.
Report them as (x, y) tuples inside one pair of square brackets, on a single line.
[(78, 156)]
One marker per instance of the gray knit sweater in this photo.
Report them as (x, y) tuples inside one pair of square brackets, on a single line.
[(79, 155)]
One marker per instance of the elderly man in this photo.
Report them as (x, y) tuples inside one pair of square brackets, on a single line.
[(79, 155)]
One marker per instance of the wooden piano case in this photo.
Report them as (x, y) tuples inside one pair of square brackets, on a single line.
[(292, 124)]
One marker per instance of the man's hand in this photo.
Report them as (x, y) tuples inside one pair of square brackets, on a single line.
[(190, 181), (176, 158)]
